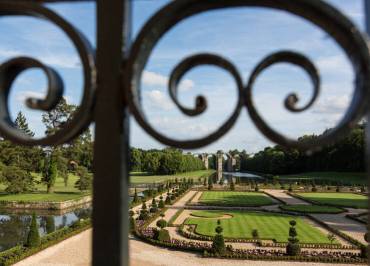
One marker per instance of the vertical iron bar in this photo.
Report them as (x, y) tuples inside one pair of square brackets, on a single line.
[(111, 148), (367, 129)]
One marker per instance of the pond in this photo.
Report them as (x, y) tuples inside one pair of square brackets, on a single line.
[(244, 177), (14, 224)]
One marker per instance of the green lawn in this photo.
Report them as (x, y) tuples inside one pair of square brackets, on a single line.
[(344, 177), (338, 199), (62, 192), (144, 178), (311, 208), (269, 225), (54, 197), (235, 198)]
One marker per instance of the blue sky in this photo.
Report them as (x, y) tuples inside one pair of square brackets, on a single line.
[(244, 36)]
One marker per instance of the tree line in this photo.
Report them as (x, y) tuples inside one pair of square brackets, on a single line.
[(163, 162), (347, 155)]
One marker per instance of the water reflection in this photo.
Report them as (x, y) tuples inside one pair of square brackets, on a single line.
[(14, 224)]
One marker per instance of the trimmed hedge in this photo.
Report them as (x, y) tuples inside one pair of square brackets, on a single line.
[(19, 252)]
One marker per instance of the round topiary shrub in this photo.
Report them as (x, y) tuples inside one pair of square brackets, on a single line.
[(161, 223)]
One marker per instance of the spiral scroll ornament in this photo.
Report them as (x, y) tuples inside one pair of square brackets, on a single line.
[(330, 20), (11, 69)]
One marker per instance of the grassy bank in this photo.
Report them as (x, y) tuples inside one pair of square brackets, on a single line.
[(349, 178)]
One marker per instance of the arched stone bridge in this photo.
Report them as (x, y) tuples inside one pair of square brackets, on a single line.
[(230, 159)]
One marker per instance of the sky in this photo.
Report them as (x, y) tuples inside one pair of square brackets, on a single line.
[(244, 36)]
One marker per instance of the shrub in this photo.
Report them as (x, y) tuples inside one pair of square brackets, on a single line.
[(161, 204), (164, 235), (255, 234), (132, 224), (33, 238), (161, 223)]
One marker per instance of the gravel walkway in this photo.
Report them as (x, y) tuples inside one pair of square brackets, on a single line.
[(172, 209), (76, 251), (348, 226), (280, 194)]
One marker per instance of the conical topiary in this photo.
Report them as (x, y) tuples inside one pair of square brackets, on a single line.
[(33, 238)]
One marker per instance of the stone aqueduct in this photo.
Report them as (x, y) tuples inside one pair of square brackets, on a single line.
[(231, 160)]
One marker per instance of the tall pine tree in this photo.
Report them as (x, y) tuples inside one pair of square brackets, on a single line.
[(21, 123)]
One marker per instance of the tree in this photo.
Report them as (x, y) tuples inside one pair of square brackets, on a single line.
[(50, 174), (21, 123), (85, 180), (136, 198), (17, 180), (218, 245), (33, 238), (210, 183), (293, 248), (50, 224)]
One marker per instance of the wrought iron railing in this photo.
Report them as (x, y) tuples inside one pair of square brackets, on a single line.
[(112, 77)]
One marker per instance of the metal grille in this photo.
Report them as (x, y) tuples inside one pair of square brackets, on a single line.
[(112, 76)]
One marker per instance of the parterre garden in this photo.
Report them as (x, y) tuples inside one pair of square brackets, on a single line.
[(240, 224), (235, 198), (350, 200)]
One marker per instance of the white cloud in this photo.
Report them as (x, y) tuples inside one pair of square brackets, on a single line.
[(157, 99), (334, 64), (23, 95), (332, 105), (154, 79)]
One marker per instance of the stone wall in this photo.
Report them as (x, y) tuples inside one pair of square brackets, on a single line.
[(45, 205)]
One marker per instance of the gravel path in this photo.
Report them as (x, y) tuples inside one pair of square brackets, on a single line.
[(196, 198), (172, 209), (76, 251), (280, 194), (348, 226)]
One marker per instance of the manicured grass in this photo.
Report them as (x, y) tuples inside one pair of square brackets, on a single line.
[(344, 177), (235, 198), (144, 178), (311, 208), (269, 225), (337, 199), (61, 192), (54, 197)]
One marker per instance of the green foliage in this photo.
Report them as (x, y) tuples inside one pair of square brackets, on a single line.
[(21, 123), (331, 237), (345, 155), (132, 224), (164, 162), (136, 198), (85, 179), (164, 235), (218, 244), (17, 180), (293, 248), (50, 174), (255, 234), (161, 223), (33, 237), (50, 224)]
